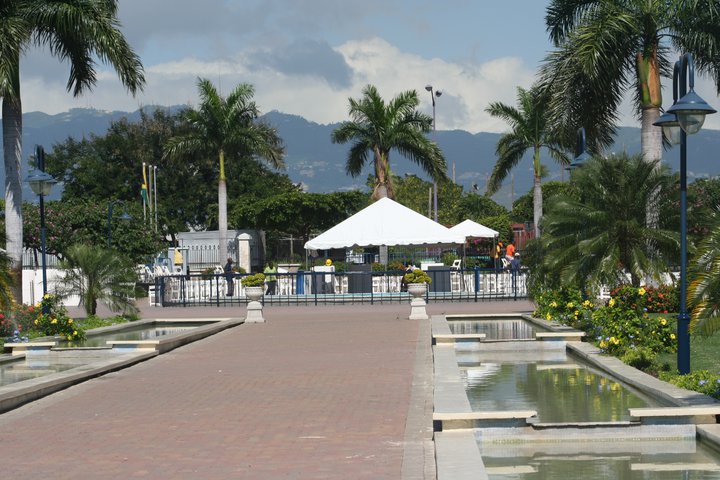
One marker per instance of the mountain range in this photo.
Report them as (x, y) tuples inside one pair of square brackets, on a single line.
[(319, 165)]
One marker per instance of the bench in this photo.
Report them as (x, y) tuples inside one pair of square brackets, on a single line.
[(676, 415)]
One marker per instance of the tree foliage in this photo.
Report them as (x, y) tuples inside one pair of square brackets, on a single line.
[(97, 274), (376, 127), (602, 235)]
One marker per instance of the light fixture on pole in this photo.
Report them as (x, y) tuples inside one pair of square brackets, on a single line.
[(41, 184), (433, 94), (581, 153), (125, 216), (690, 111)]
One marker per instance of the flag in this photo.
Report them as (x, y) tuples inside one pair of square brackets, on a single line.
[(144, 186)]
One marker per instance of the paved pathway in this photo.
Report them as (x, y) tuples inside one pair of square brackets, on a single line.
[(330, 392)]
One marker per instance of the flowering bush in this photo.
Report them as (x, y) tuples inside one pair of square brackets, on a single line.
[(6, 327), (699, 381), (630, 297), (663, 299), (54, 322), (565, 306)]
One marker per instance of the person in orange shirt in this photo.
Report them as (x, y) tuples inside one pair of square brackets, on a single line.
[(510, 251)]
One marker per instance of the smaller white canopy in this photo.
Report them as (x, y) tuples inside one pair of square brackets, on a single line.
[(385, 222), (468, 228)]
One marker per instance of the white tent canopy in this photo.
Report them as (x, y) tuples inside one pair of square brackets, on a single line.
[(468, 228), (388, 223)]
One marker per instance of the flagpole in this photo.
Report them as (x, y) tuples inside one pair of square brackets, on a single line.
[(143, 193), (155, 188)]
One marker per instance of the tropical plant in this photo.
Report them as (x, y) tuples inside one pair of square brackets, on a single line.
[(704, 287), (378, 127), (80, 32), (96, 274), (529, 130), (52, 319), (6, 282), (226, 127), (605, 47), (257, 280), (417, 276), (601, 236)]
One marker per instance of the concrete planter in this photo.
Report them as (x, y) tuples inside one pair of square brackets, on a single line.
[(417, 304), (254, 307)]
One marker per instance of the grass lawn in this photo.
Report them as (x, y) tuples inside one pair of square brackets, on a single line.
[(704, 354), (704, 351)]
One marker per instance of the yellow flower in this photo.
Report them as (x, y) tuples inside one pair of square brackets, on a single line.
[(587, 304), (47, 296), (603, 344), (641, 291), (548, 316), (663, 321), (74, 333), (672, 336), (576, 313), (570, 305), (553, 304), (611, 302), (53, 321), (70, 320), (36, 321)]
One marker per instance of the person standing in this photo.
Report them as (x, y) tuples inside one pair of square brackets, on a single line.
[(270, 278), (515, 272), (229, 277), (510, 252)]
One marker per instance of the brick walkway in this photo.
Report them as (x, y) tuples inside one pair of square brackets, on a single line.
[(332, 392)]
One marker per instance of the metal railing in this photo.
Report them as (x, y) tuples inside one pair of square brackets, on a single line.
[(314, 288)]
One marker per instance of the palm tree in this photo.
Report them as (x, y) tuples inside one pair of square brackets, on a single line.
[(78, 31), (601, 234), (378, 128), (529, 130), (704, 289), (226, 126), (605, 47), (96, 274)]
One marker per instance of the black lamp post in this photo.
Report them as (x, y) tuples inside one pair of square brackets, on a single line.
[(41, 184), (124, 216), (684, 118), (434, 94)]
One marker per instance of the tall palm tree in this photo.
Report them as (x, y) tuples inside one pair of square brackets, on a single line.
[(78, 31), (226, 127), (602, 235), (97, 274), (606, 47), (378, 127), (529, 129)]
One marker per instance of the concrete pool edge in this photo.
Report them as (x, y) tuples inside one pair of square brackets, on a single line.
[(17, 394), (457, 453)]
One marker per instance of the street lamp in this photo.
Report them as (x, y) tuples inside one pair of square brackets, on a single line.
[(689, 111), (124, 216), (41, 184), (434, 94)]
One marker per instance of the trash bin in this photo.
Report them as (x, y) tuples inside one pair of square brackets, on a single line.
[(440, 276), (300, 285), (360, 279)]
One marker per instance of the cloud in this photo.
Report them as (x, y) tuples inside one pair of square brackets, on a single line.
[(306, 57)]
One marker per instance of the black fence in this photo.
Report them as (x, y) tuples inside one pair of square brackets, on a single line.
[(315, 288)]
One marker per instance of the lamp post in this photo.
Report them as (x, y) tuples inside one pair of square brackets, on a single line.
[(689, 113), (124, 216), (41, 184), (433, 94)]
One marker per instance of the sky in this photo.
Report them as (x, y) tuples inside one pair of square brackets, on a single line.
[(308, 57)]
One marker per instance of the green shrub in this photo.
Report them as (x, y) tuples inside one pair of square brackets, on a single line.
[(565, 305), (641, 358), (56, 320), (257, 280), (396, 266), (417, 276), (699, 381)]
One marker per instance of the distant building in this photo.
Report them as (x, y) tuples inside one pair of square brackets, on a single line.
[(203, 248)]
